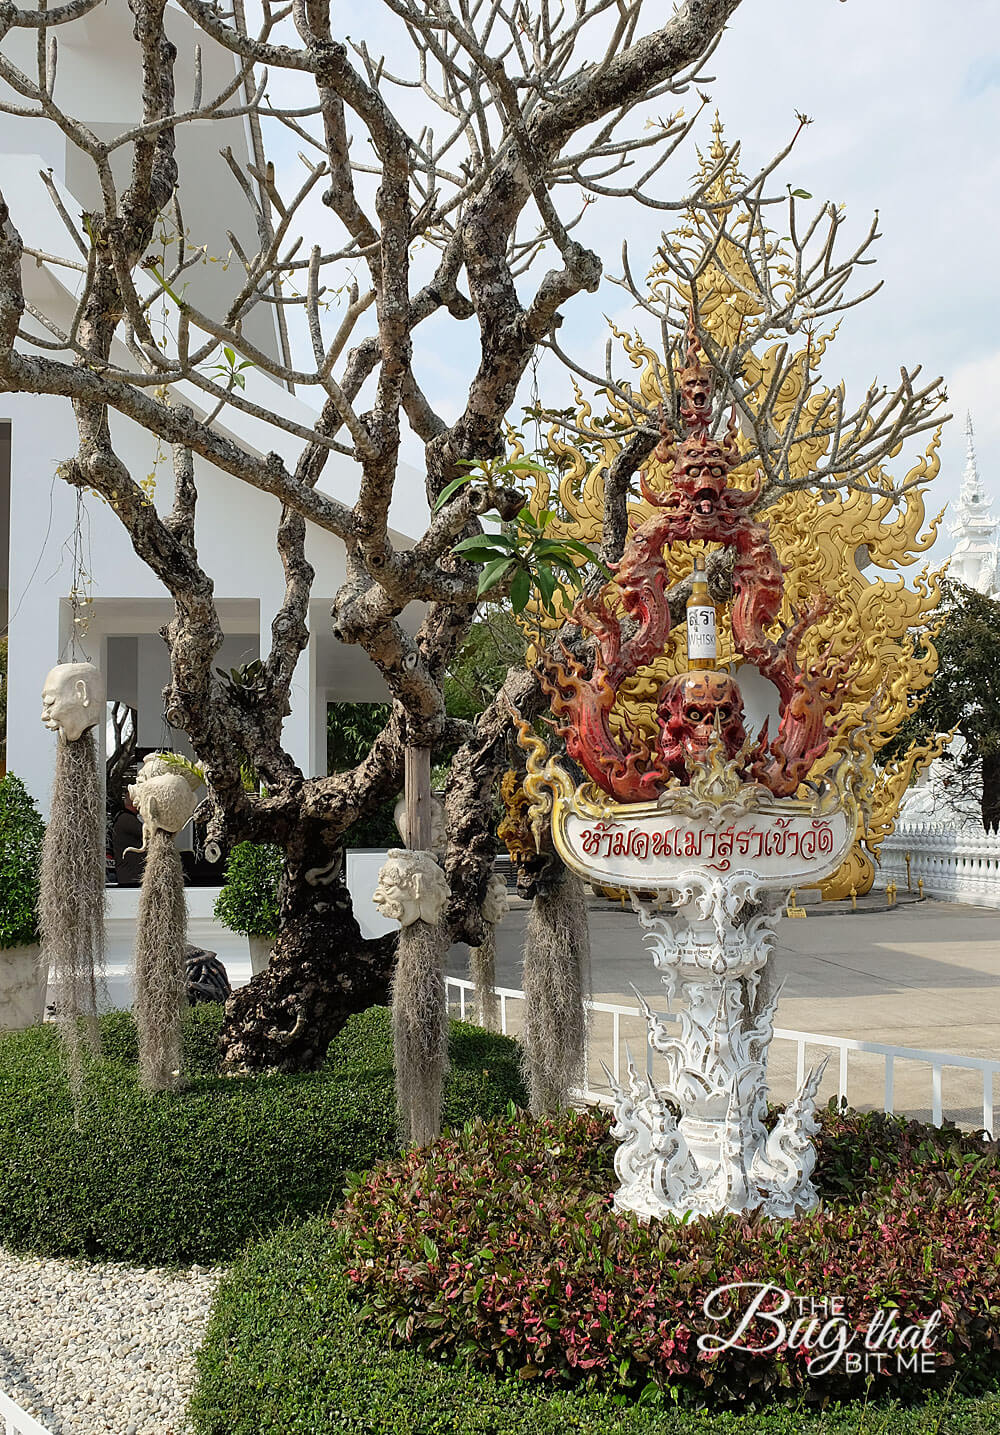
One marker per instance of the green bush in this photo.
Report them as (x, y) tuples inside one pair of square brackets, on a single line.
[(195, 1175), (21, 834), (284, 1355), (248, 902)]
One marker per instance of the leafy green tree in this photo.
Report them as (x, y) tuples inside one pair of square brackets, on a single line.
[(351, 728), (3, 706), (964, 694), (492, 646)]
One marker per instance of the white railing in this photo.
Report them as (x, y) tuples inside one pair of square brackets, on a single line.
[(459, 991), (15, 1421), (961, 864)]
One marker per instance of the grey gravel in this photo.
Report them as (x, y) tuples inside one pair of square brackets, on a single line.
[(101, 1349)]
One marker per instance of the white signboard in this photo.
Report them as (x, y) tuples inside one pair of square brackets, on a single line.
[(782, 847)]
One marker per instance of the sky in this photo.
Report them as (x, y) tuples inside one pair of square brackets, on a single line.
[(904, 96), (905, 101)]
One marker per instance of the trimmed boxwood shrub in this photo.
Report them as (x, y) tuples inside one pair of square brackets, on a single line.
[(195, 1175), (284, 1355), (499, 1245), (21, 834), (248, 900)]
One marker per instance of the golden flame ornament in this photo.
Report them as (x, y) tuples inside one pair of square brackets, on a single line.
[(850, 545)]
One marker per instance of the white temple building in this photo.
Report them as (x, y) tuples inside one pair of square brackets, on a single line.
[(41, 523), (937, 797), (975, 560)]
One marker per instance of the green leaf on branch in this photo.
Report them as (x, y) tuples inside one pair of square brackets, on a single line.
[(451, 488), (493, 574), (546, 581), (520, 590), (484, 547)]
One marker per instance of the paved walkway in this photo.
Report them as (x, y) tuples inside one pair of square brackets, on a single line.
[(925, 974)]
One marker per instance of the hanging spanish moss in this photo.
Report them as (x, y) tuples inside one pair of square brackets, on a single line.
[(483, 974), (161, 936), (556, 977), (71, 897), (420, 1030)]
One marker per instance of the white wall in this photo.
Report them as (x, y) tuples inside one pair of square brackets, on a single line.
[(97, 80), (956, 864)]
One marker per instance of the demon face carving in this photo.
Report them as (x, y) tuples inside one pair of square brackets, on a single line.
[(692, 705), (696, 395), (700, 474)]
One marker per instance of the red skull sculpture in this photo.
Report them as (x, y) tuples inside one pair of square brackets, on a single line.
[(692, 706)]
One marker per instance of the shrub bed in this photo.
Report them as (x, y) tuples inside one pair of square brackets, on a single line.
[(284, 1355), (195, 1175), (499, 1245)]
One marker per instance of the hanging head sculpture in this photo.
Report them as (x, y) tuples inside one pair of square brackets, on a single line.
[(73, 699), (698, 506)]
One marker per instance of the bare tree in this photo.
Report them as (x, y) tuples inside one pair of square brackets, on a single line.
[(521, 105), (761, 308)]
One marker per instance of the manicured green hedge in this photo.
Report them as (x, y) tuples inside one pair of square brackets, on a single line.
[(284, 1356), (194, 1176)]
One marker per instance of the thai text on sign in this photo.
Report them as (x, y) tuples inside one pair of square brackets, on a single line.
[(778, 839)]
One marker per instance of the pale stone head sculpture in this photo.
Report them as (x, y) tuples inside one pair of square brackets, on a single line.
[(154, 764), (73, 699), (496, 903), (164, 797), (411, 888), (439, 826)]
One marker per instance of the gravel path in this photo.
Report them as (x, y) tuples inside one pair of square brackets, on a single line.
[(104, 1349)]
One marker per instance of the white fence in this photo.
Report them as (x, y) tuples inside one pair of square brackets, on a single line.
[(607, 1035), (960, 864), (15, 1421)]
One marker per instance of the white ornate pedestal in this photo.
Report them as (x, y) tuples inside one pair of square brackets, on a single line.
[(724, 854)]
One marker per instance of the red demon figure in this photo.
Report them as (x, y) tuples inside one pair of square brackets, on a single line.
[(699, 506)]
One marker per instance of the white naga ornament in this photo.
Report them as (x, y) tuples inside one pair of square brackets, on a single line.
[(164, 795), (73, 699), (723, 853), (496, 903), (411, 888), (439, 824)]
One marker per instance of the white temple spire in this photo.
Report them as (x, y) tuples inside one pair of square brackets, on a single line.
[(976, 557), (971, 486)]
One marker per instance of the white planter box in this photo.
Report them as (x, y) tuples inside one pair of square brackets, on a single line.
[(260, 953), (22, 988)]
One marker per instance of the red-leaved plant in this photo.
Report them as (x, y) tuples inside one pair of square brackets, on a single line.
[(499, 1244)]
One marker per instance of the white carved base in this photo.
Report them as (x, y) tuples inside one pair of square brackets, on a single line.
[(696, 1144), (22, 988)]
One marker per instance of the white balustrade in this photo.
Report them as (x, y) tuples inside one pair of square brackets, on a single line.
[(934, 1062), (15, 1421), (959, 864)]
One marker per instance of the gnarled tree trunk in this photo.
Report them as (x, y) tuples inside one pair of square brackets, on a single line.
[(321, 970)]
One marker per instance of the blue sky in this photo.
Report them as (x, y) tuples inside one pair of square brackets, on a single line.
[(905, 101), (905, 98)]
